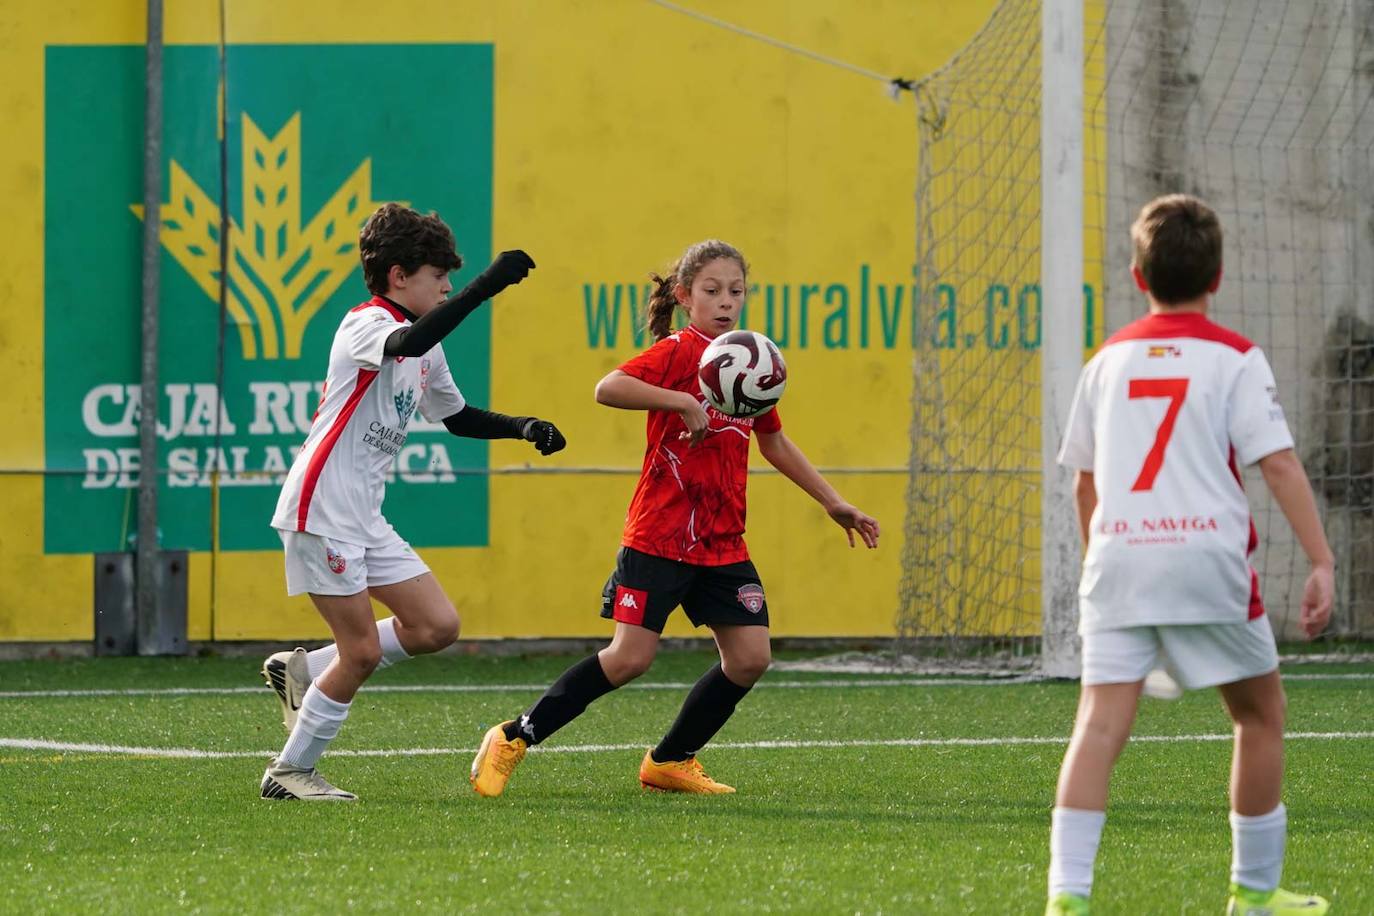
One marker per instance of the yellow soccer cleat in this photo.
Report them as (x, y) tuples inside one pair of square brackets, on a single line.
[(1245, 902), (679, 776), (1066, 904), (496, 759)]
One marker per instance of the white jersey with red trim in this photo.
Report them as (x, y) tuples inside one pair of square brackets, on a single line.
[(1162, 416), (336, 484)]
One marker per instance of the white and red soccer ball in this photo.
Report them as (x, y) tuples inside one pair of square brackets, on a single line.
[(742, 374)]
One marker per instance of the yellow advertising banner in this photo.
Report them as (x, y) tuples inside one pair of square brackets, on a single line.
[(602, 137)]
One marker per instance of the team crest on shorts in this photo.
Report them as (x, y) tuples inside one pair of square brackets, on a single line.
[(751, 596), (337, 563)]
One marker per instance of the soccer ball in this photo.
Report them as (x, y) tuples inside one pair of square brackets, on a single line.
[(742, 374)]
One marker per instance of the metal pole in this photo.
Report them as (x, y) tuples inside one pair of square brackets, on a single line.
[(1351, 526), (1061, 352), (147, 574), (223, 131)]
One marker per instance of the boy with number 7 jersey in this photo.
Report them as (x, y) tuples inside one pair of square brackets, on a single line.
[(1164, 417)]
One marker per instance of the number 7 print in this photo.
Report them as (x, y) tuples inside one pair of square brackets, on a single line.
[(1174, 389)]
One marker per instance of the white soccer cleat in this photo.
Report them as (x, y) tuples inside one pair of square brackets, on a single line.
[(288, 674), (292, 784), (1161, 685)]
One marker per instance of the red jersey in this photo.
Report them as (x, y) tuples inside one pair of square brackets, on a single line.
[(689, 504)]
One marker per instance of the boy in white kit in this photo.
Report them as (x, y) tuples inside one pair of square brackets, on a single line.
[(1164, 416), (385, 363)]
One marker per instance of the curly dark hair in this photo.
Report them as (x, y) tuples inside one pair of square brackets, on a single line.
[(396, 234)]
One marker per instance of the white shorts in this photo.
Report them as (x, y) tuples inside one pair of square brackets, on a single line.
[(1196, 655), (323, 566)]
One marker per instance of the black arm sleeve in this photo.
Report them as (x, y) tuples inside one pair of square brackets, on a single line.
[(476, 423), (420, 337)]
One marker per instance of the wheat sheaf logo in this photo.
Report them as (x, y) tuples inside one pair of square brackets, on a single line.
[(405, 403), (280, 274)]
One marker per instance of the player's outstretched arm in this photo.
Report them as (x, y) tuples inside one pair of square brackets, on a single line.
[(476, 423), (509, 268), (1288, 482), (783, 454), (619, 389)]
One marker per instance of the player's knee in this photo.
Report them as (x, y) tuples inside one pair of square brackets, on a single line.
[(1268, 715), (623, 666), (361, 659), (747, 669), (433, 632), (1104, 730), (442, 633)]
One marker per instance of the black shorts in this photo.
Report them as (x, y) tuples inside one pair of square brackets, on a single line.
[(645, 589)]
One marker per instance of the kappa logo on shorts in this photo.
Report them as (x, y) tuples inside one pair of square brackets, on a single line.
[(629, 605), (751, 596), (337, 563)]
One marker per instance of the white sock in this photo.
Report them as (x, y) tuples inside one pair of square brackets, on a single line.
[(319, 659), (1074, 835), (319, 721), (392, 652), (1257, 849)]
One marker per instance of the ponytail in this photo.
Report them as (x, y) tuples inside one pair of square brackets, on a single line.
[(658, 311)]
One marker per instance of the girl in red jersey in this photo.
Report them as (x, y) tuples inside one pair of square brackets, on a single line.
[(684, 536)]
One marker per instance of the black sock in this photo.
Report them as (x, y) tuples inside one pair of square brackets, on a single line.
[(561, 703), (711, 702)]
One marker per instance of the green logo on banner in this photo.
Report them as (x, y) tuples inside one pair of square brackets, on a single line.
[(278, 273), (318, 136)]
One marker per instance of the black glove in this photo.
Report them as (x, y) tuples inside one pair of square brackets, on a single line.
[(509, 268), (545, 437)]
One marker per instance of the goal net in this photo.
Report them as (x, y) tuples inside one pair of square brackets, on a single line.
[(1261, 107)]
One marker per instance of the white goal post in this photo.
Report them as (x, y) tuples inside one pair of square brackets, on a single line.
[(1061, 347)]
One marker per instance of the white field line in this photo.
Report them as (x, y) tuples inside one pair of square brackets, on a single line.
[(75, 747), (539, 688), (506, 688)]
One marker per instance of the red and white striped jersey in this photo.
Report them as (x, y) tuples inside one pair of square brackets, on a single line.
[(1164, 416), (336, 484)]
